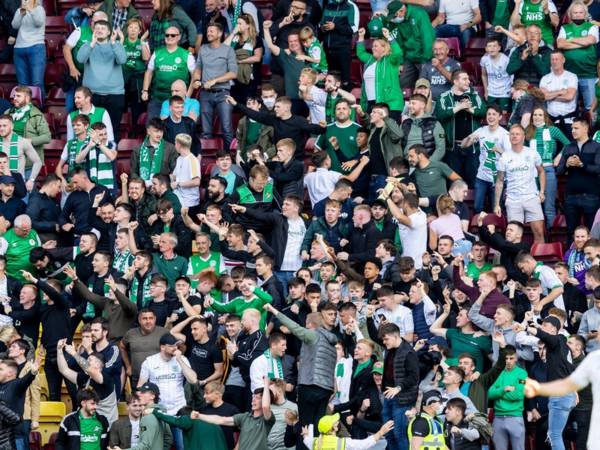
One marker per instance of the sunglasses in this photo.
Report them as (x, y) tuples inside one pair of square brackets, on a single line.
[(169, 35)]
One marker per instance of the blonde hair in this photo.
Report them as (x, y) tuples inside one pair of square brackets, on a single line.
[(306, 33), (387, 48), (575, 4), (185, 140), (312, 74), (445, 205), (252, 33)]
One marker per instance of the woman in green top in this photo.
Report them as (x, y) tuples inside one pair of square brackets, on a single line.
[(381, 83), (138, 54), (542, 136)]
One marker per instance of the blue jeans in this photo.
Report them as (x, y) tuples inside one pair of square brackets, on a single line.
[(30, 64), (444, 31), (483, 189), (285, 276), (586, 87), (209, 101), (22, 435), (177, 437), (576, 206), (398, 437), (559, 409), (550, 200), (378, 5)]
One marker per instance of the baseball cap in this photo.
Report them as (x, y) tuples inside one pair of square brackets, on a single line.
[(169, 339), (326, 423), (378, 370), (423, 82), (149, 387), (375, 27), (432, 396), (437, 340), (7, 179), (394, 7)]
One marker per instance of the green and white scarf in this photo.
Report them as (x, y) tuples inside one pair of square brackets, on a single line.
[(122, 260), (101, 167), (133, 292), (74, 147), (13, 152), (150, 167), (274, 366)]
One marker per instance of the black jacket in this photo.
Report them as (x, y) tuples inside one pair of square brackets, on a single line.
[(12, 208), (44, 212), (69, 437), (362, 386), (586, 179), (183, 233), (287, 177), (362, 242), (55, 319), (339, 13), (13, 392), (250, 347), (508, 252), (274, 287), (78, 205), (8, 420)]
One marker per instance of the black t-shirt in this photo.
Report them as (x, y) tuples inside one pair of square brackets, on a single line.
[(162, 310), (377, 162), (103, 390), (462, 121), (420, 427), (202, 357), (225, 410)]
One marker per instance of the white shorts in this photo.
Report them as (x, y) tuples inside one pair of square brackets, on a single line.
[(524, 211)]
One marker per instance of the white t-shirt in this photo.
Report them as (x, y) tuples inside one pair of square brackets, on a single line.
[(520, 173), (499, 81), (168, 376), (316, 106), (549, 281), (584, 375), (296, 231), (488, 159), (186, 169), (458, 12), (369, 81), (401, 316), (320, 183), (414, 238), (552, 82), (135, 432)]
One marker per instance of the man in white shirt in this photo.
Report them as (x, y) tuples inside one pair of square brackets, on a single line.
[(394, 313), (412, 225), (457, 18), (168, 369), (519, 167), (269, 364), (560, 89), (186, 176), (321, 182)]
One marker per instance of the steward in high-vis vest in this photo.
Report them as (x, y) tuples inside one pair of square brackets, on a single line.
[(328, 440), (259, 195), (426, 431)]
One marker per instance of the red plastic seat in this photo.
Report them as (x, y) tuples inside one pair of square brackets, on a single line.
[(35, 440), (51, 442), (489, 219), (475, 47), (8, 73), (547, 252), (54, 74), (55, 24), (126, 146), (453, 45), (56, 97), (474, 71), (51, 124), (211, 146)]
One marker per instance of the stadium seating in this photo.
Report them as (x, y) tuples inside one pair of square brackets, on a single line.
[(51, 414), (549, 252)]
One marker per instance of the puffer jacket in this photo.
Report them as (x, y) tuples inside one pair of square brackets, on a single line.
[(8, 420)]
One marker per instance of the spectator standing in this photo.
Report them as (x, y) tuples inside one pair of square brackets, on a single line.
[(168, 15), (154, 156), (459, 110), (168, 63), (138, 55), (580, 162), (44, 210), (411, 26), (497, 82), (119, 12), (18, 150), (590, 322), (380, 83), (560, 89), (125, 432), (177, 123), (457, 19), (438, 70), (420, 127), (216, 68), (531, 60), (578, 41), (191, 106), (508, 394), (30, 48), (541, 13), (523, 199), (412, 227), (186, 175), (338, 25)]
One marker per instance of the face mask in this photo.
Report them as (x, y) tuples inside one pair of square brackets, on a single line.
[(439, 410), (269, 102), (578, 21), (398, 20)]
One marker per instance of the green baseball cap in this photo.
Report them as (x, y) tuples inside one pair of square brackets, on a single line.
[(375, 27), (394, 7)]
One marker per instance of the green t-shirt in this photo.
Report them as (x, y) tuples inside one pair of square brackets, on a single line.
[(473, 271), (168, 67), (253, 430), (239, 305), (533, 14), (170, 268), (134, 63), (91, 433), (501, 14), (431, 180), (291, 68), (346, 137), (17, 253), (198, 264), (580, 61), (477, 347)]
